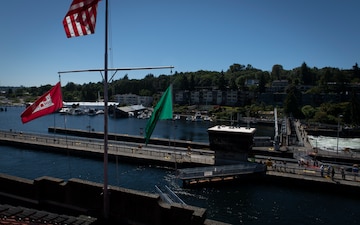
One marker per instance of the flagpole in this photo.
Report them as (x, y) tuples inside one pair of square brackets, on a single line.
[(106, 194), (86, 11)]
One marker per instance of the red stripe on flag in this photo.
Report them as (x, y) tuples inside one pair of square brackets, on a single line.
[(81, 18)]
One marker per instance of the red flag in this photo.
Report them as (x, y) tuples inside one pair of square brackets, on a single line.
[(81, 18), (46, 104)]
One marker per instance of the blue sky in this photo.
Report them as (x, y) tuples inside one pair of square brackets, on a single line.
[(191, 35)]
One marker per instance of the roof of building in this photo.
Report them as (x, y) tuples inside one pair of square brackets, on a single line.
[(89, 104), (233, 129), (132, 108)]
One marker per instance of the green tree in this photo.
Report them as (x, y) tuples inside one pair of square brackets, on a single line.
[(236, 68), (262, 82), (222, 82), (308, 111), (19, 92), (356, 72), (89, 92), (9, 93), (184, 83), (325, 78), (192, 82), (232, 84), (292, 102), (240, 82), (145, 92), (206, 81), (321, 117), (354, 109), (306, 76), (276, 71)]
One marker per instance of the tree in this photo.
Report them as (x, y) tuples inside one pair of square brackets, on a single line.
[(325, 77), (222, 82), (262, 82), (308, 111), (249, 67), (89, 92), (232, 84), (321, 117), (354, 109), (70, 87), (356, 71), (19, 91), (306, 74), (9, 93), (276, 71), (145, 92), (206, 81), (240, 82), (236, 68), (184, 83), (192, 82), (292, 102)]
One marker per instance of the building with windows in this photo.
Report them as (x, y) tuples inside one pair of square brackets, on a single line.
[(132, 99)]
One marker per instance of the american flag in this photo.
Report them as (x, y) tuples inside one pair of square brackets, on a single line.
[(81, 18)]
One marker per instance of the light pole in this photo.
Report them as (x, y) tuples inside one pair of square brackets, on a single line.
[(338, 131)]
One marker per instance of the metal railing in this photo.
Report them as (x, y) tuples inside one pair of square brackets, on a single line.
[(340, 172), (171, 154), (221, 171)]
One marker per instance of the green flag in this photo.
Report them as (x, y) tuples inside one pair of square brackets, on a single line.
[(163, 110)]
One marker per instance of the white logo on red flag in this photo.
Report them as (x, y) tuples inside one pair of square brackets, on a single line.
[(46, 104)]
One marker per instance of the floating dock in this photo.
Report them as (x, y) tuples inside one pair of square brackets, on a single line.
[(214, 174)]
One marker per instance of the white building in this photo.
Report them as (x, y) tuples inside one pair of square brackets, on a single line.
[(132, 99)]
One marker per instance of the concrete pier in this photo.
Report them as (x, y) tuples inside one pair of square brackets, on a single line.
[(170, 156), (283, 169), (82, 199)]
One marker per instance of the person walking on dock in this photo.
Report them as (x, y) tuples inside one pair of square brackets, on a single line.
[(322, 170), (332, 173), (342, 173), (355, 170)]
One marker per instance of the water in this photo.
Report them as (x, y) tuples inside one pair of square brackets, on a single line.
[(243, 203), (182, 130), (332, 144)]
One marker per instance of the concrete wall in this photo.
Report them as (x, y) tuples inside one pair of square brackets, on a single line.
[(77, 196)]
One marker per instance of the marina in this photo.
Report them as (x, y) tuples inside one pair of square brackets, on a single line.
[(204, 163), (123, 174)]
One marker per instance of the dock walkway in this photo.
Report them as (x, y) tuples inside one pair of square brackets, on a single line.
[(168, 155), (211, 174), (17, 215)]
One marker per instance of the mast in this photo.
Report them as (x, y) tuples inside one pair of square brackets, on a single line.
[(69, 22), (105, 191)]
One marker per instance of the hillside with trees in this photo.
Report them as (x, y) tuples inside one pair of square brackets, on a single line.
[(325, 81)]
